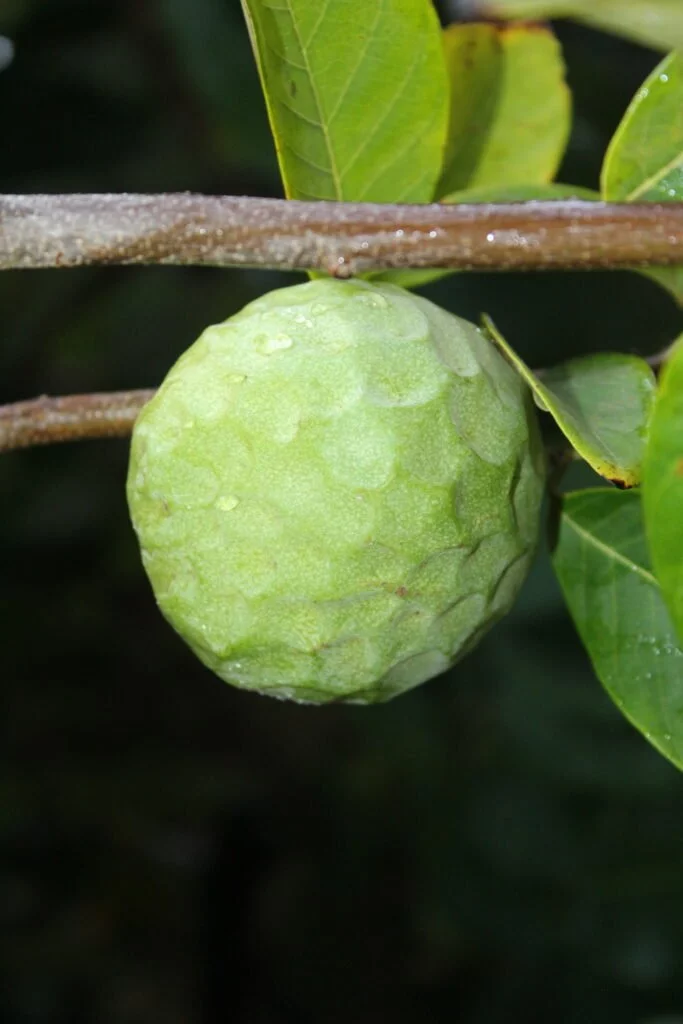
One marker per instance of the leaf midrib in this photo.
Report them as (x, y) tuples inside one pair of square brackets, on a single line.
[(609, 552), (334, 171), (654, 179)]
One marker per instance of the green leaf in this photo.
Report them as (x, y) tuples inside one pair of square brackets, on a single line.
[(510, 106), (522, 193), (357, 96), (656, 23), (497, 194), (663, 485), (602, 563), (601, 403), (644, 161), (670, 278)]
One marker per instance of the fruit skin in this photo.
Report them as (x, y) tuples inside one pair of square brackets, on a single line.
[(336, 492)]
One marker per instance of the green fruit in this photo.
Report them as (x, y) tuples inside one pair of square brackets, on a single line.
[(336, 492)]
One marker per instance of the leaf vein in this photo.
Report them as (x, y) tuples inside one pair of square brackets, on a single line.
[(299, 114), (611, 553), (304, 159), (363, 54), (655, 178), (324, 7), (332, 170), (396, 155), (284, 58)]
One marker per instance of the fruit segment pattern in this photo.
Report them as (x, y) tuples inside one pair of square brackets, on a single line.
[(336, 492)]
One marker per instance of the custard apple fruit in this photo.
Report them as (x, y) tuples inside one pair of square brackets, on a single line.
[(336, 492)]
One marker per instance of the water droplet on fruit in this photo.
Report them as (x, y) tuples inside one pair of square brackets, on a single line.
[(319, 308), (301, 319), (663, 78), (372, 299), (227, 503), (269, 343)]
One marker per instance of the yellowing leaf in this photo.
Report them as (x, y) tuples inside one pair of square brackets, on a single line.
[(510, 106)]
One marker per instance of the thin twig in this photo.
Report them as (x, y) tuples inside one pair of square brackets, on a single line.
[(70, 418), (340, 238)]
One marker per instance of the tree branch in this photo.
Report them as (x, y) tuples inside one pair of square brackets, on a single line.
[(71, 418), (340, 238)]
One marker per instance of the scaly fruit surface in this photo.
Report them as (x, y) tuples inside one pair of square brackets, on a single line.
[(336, 492)]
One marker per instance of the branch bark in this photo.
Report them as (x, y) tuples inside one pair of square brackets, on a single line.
[(39, 231), (339, 238), (70, 418)]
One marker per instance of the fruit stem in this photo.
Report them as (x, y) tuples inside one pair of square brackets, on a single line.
[(340, 238)]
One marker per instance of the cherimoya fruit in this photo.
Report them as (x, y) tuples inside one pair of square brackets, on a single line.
[(336, 492)]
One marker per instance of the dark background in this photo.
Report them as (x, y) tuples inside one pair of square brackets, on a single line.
[(498, 846)]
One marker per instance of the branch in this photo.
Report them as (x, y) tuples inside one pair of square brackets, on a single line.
[(71, 418), (340, 238)]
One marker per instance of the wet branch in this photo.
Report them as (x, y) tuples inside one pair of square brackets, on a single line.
[(70, 418), (39, 231), (340, 238)]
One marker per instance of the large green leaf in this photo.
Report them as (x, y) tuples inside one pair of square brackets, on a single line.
[(663, 486), (495, 194), (510, 106), (657, 23), (644, 161), (601, 403), (602, 563), (357, 96)]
